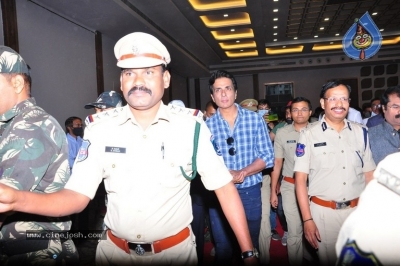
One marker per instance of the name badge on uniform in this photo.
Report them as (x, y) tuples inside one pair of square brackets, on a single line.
[(291, 141), (83, 151), (320, 144), (300, 149), (115, 149)]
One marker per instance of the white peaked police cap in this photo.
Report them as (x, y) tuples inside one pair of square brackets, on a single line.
[(140, 50)]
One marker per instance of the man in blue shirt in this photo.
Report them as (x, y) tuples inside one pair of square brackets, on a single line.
[(241, 137), (74, 130)]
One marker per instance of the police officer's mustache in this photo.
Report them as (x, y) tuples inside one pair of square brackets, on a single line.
[(338, 108), (140, 88)]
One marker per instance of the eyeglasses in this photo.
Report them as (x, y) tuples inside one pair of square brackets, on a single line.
[(232, 150), (304, 110), (335, 99), (394, 107), (374, 106)]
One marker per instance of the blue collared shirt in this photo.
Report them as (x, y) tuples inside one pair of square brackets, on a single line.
[(251, 141), (73, 148)]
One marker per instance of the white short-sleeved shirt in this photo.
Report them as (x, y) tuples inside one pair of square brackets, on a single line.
[(366, 238), (148, 197)]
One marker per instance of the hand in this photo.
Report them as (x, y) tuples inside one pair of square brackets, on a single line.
[(278, 188), (237, 176), (266, 118), (8, 198), (311, 233), (251, 261), (274, 200)]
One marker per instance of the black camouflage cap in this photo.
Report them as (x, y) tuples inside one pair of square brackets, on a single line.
[(11, 61), (106, 100)]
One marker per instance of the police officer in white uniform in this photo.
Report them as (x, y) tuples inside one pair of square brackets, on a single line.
[(143, 154), (366, 239)]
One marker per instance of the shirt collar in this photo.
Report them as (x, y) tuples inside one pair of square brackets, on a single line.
[(389, 127), (162, 114), (17, 109), (326, 125), (239, 108), (291, 127)]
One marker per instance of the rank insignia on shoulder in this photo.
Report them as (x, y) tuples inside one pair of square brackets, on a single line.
[(83, 151), (98, 117), (185, 111), (351, 254), (300, 149)]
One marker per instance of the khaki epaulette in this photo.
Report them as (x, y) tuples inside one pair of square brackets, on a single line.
[(195, 113), (103, 116)]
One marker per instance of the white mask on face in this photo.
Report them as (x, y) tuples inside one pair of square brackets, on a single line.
[(262, 112)]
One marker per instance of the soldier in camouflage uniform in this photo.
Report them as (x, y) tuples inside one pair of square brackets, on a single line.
[(33, 157)]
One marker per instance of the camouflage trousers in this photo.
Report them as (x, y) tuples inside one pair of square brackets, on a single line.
[(57, 253)]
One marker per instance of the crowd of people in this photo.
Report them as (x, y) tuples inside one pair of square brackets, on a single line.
[(168, 171)]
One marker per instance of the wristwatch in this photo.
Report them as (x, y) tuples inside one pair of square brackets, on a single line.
[(250, 253)]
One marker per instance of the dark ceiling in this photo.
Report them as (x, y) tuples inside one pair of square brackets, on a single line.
[(195, 51)]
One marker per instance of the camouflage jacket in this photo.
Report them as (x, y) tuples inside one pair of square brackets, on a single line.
[(33, 157)]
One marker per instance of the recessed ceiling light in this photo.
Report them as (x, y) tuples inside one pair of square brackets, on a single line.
[(284, 46), (275, 40), (232, 29), (375, 13), (275, 33), (241, 50), (275, 19), (337, 34), (381, 29), (321, 28), (276, 0), (331, 43), (316, 36), (275, 10), (326, 19), (275, 27), (295, 38), (237, 41), (226, 15)]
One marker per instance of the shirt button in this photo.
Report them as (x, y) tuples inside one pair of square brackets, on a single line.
[(172, 165), (340, 137), (344, 199), (138, 236), (344, 183), (324, 153), (342, 151), (344, 167), (113, 165), (144, 136)]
